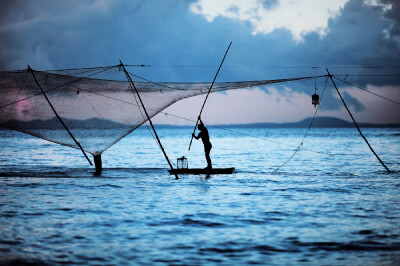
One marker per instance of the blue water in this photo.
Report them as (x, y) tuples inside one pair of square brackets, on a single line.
[(317, 209)]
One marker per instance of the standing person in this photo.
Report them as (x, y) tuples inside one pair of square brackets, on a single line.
[(206, 141)]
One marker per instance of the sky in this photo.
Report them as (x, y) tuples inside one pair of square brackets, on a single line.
[(186, 40)]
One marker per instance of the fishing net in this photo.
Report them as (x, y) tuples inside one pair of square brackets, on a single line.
[(97, 105)]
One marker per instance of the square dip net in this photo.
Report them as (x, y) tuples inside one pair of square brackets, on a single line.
[(95, 107)]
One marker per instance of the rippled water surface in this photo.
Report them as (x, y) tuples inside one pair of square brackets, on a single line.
[(317, 209)]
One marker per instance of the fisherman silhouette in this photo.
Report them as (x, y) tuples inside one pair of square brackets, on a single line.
[(206, 141)]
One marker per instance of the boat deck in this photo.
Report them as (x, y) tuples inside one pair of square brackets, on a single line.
[(200, 171)]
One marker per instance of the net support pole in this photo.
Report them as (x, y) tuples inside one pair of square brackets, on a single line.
[(58, 117), (97, 163), (148, 117), (209, 90), (355, 123)]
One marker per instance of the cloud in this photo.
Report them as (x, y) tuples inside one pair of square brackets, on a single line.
[(298, 17), (392, 10), (359, 33)]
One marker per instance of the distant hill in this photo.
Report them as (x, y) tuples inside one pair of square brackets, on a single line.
[(319, 122), (97, 123)]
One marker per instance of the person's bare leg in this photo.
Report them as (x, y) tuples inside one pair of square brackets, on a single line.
[(209, 164)]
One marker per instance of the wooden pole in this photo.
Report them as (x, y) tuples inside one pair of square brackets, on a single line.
[(209, 90), (148, 117), (355, 123), (58, 117), (97, 163)]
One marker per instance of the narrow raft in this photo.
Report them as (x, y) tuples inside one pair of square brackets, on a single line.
[(199, 171)]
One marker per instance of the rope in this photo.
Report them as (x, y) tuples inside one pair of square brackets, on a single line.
[(141, 113), (283, 67), (244, 134), (145, 119), (309, 127), (235, 66), (366, 75), (279, 82), (373, 93), (83, 68), (138, 65), (159, 84)]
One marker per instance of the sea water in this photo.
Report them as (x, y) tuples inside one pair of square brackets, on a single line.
[(332, 203)]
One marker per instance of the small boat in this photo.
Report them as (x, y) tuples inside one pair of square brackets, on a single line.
[(200, 171)]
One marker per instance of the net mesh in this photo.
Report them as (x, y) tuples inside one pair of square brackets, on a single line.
[(96, 104)]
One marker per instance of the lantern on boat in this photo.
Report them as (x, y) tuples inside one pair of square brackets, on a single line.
[(182, 163)]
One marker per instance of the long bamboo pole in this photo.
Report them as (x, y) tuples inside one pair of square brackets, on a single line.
[(209, 90), (148, 117), (58, 117), (355, 123)]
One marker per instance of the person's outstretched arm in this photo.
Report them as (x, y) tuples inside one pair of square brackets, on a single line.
[(196, 137)]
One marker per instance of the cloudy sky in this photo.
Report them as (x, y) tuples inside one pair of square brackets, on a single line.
[(186, 40)]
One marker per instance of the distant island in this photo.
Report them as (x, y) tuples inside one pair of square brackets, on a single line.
[(96, 123), (319, 122)]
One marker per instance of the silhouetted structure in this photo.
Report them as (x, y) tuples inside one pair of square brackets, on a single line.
[(91, 109)]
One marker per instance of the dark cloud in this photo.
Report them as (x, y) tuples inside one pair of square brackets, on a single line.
[(13, 12), (393, 12), (350, 100), (269, 4)]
